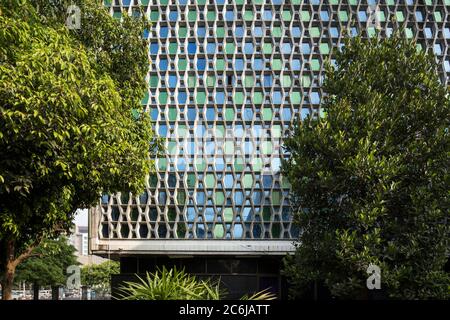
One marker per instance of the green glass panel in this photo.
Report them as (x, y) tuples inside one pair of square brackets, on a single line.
[(314, 32), (408, 32), (172, 114), (220, 64), (172, 147), (315, 65), (107, 2), (153, 180), (229, 48), (200, 164), (238, 98), (257, 164), (229, 148), (210, 180), (171, 214), (276, 197), (296, 2), (266, 147), (145, 2), (144, 100), (219, 198), (267, 114), (400, 17), (305, 16), (276, 230), (277, 64), (238, 164), (381, 16), (182, 32), (249, 81), (201, 2), (239, 2), (285, 182), (276, 131), (287, 16), (220, 32), (182, 64), (228, 214), (173, 48), (306, 81), (181, 229), (211, 16), (163, 97), (181, 197), (266, 213), (286, 81), (192, 15), (353, 2), (437, 16), (191, 81), (258, 98), (296, 97), (191, 180), (154, 81), (248, 180), (229, 114), (201, 97), (343, 16), (248, 15), (371, 32), (164, 1), (324, 48), (154, 15), (117, 15), (210, 81), (267, 48), (277, 32), (162, 164), (218, 231)]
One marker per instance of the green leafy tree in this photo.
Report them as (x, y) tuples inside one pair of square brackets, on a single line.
[(71, 121), (370, 179), (48, 263), (98, 276)]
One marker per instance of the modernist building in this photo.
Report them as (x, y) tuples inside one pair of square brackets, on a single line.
[(227, 79)]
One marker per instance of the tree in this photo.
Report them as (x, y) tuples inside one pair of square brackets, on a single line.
[(98, 276), (71, 122), (370, 179), (47, 264)]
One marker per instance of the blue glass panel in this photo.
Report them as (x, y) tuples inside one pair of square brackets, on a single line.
[(247, 214), (162, 130), (296, 32), (362, 16), (286, 114), (172, 81), (163, 64), (181, 164), (192, 47), (238, 198), (201, 31), (201, 64), (190, 214), (277, 97), (248, 48), (154, 114), (162, 197), (220, 97), (267, 181), (306, 48), (315, 98), (239, 32), (210, 48), (220, 164), (182, 97), (191, 114), (220, 1), (182, 2), (268, 81), (296, 64), (324, 15), (257, 197), (286, 48), (209, 214), (229, 16), (163, 32), (258, 64), (210, 114), (239, 64), (248, 114), (154, 48), (257, 32), (238, 230), (200, 197), (173, 15), (267, 15), (419, 16), (228, 181), (200, 231)]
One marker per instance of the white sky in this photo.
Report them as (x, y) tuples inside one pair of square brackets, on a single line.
[(81, 217)]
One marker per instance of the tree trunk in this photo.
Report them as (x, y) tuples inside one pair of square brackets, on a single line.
[(55, 292), (35, 291), (9, 271)]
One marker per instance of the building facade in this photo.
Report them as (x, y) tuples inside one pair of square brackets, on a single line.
[(227, 79)]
